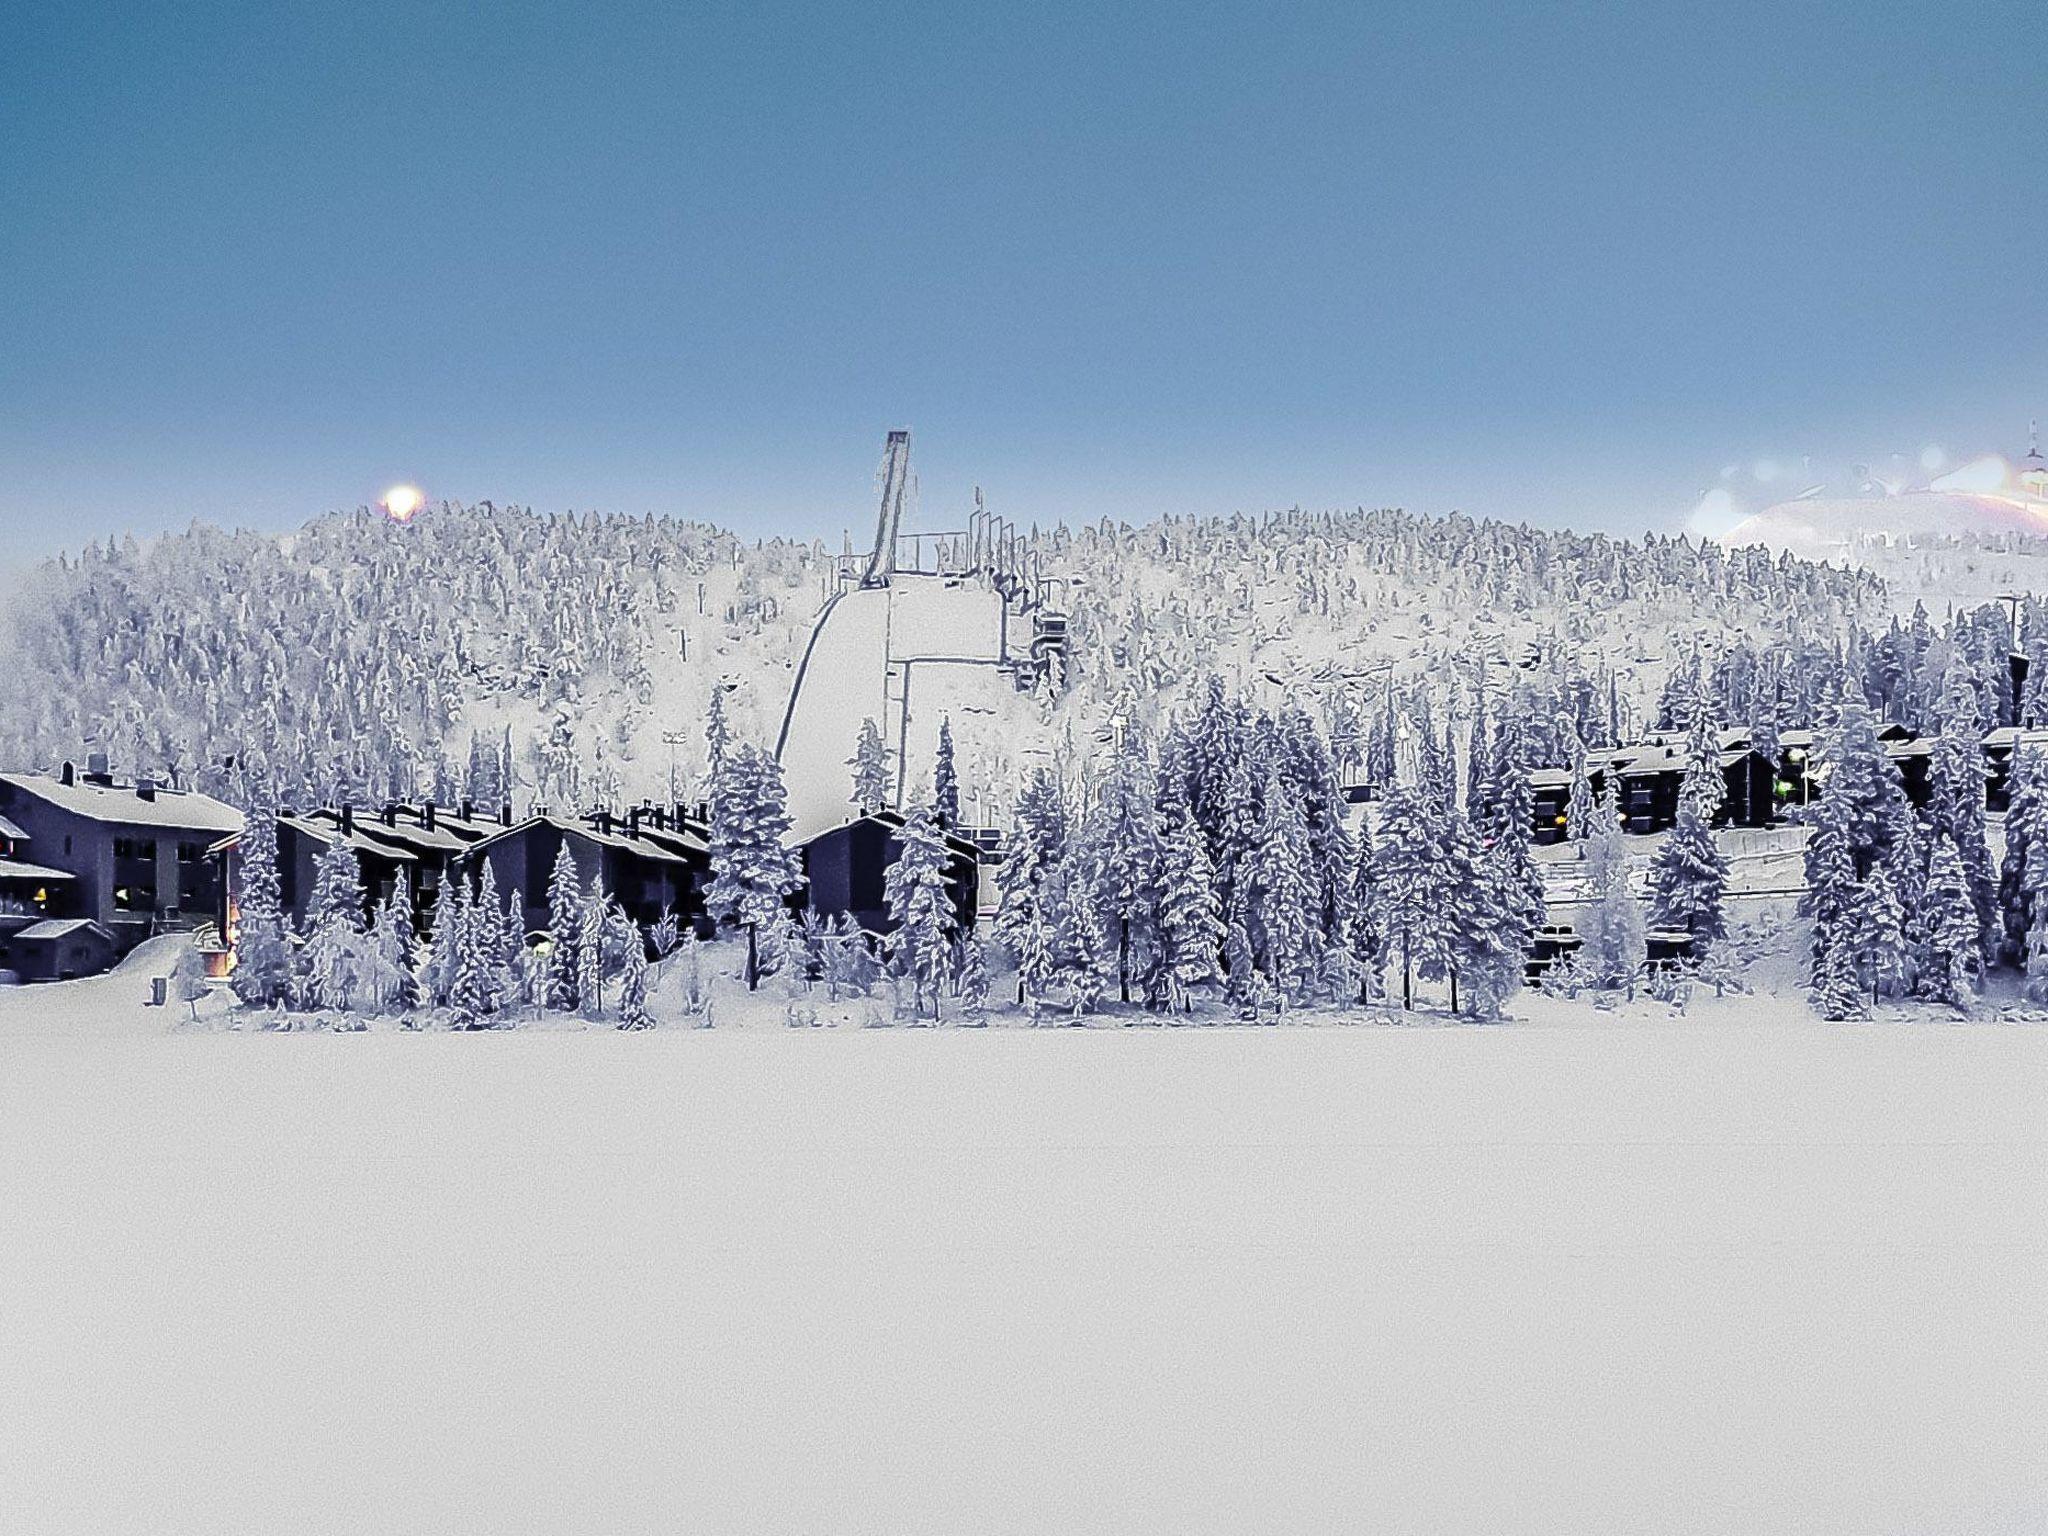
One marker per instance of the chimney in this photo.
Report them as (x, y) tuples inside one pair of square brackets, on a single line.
[(67, 775), (427, 815), (145, 788), (504, 813), (468, 809), (348, 821), (633, 822), (390, 813), (97, 770)]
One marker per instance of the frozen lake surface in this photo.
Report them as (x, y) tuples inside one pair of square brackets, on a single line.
[(1673, 1277)]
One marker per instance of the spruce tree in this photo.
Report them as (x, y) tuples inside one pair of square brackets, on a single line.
[(1410, 877), (945, 781), (921, 908), (870, 765), (1124, 854), (633, 1012), (1283, 898), (565, 931), (1368, 915), (752, 866), (1952, 963), (1837, 989), (1612, 945), (262, 954), (334, 928), (2026, 826), (1190, 916), (1689, 879)]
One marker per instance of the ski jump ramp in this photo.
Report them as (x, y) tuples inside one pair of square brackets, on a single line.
[(896, 654)]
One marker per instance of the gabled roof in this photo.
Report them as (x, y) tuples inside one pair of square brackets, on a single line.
[(61, 927), (893, 820), (21, 869), (11, 832), (329, 832), (121, 805), (642, 846)]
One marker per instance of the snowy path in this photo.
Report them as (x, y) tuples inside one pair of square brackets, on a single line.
[(1608, 1277), (844, 679)]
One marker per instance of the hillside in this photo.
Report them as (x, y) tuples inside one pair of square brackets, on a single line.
[(367, 658)]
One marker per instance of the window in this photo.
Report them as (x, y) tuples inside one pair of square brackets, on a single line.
[(134, 848), (188, 853)]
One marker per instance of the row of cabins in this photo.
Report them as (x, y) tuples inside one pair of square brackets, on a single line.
[(1648, 775), (652, 859), (91, 867)]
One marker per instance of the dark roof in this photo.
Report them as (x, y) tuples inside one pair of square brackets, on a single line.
[(21, 869), (644, 846), (122, 805), (894, 821), (61, 927)]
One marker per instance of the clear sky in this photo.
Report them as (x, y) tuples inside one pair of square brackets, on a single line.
[(1557, 261)]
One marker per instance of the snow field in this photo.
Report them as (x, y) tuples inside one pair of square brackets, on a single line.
[(1766, 1276)]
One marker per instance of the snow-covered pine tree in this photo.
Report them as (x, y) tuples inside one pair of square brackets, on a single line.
[(334, 928), (2026, 825), (387, 969), (1955, 807), (1078, 944), (1877, 927), (263, 962), (437, 967), (590, 949), (1411, 876), (471, 986), (1190, 916), (945, 780), (1612, 947), (870, 765), (496, 955), (1581, 813), (1830, 897), (1368, 915), (1837, 992), (1951, 963), (970, 975), (1486, 932), (717, 735), (633, 1012), (921, 907), (1282, 905), (2034, 888), (1689, 879), (1123, 855), (565, 931), (1508, 824), (752, 866)]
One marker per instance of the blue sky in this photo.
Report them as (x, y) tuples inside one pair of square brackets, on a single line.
[(1559, 262)]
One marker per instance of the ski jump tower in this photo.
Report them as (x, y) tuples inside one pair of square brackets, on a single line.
[(889, 519)]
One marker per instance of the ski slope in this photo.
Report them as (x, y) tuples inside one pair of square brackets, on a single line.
[(938, 637)]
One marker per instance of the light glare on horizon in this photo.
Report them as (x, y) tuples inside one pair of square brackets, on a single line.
[(402, 501)]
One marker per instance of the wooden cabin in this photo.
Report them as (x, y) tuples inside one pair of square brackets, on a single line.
[(844, 869)]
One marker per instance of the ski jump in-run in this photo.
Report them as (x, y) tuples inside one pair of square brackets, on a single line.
[(900, 648)]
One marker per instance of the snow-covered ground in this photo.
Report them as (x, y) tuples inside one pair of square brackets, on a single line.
[(1739, 1272)]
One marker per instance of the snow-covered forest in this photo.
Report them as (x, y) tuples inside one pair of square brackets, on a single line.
[(496, 653)]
